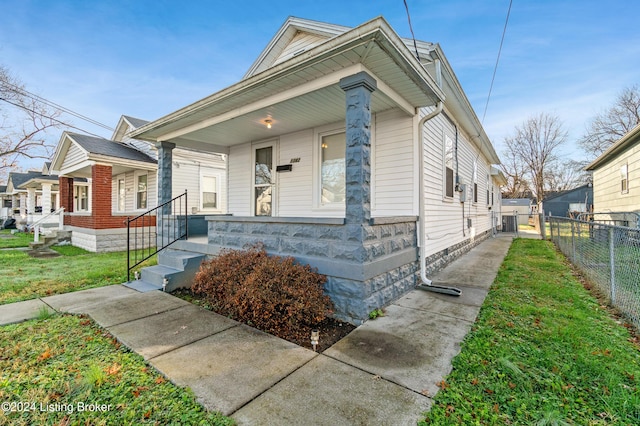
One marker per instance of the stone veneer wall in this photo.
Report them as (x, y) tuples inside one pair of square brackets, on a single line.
[(106, 240), (367, 266)]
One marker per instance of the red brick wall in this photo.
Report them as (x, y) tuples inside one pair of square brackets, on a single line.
[(66, 193), (101, 217)]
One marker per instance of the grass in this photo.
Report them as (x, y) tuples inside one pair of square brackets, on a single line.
[(543, 351), (24, 277), (19, 239), (67, 370)]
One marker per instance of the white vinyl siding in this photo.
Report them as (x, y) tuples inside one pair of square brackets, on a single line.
[(188, 166), (607, 183), (74, 155), (299, 44), (295, 187), (444, 216), (240, 172), (392, 168)]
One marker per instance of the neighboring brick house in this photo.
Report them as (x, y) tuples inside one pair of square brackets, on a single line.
[(103, 182)]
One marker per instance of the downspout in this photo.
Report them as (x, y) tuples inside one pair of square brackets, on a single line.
[(426, 283)]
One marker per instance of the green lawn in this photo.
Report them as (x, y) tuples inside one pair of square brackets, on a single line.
[(66, 370), (19, 239), (543, 351), (24, 277)]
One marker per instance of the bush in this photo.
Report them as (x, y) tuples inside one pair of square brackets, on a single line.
[(271, 293)]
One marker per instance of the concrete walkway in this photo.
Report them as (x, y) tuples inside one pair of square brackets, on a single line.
[(384, 372)]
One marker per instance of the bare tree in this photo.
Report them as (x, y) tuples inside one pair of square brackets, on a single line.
[(535, 143), (566, 175), (610, 125), (516, 173), (24, 121)]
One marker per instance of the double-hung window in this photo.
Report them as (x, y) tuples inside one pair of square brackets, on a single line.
[(209, 192), (624, 179), (141, 191), (332, 168), (81, 198), (448, 167)]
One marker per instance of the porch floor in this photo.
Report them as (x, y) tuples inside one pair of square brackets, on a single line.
[(384, 372)]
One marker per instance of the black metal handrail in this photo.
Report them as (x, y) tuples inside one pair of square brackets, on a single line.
[(171, 224)]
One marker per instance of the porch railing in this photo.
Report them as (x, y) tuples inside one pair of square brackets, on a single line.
[(155, 230), (35, 226)]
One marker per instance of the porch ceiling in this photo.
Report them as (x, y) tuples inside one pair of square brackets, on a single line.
[(302, 92)]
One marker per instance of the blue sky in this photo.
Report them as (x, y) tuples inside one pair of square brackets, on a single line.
[(148, 58)]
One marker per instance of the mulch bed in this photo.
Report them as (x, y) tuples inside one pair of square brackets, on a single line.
[(331, 329)]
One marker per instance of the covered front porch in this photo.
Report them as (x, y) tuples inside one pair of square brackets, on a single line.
[(289, 187)]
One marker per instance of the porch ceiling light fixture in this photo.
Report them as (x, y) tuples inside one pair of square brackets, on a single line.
[(268, 122)]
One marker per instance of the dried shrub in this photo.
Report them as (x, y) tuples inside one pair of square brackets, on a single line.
[(271, 293)]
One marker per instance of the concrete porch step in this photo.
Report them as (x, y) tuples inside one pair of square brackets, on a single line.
[(142, 286), (47, 240), (178, 267)]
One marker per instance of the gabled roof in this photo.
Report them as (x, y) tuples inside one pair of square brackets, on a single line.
[(86, 150), (294, 85), (33, 178), (302, 92), (109, 148), (281, 41), (627, 141), (125, 125)]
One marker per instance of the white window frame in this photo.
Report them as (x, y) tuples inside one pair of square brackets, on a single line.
[(275, 154), (474, 183), (76, 198), (624, 179), (448, 141), (136, 176), (121, 177), (218, 177), (320, 133)]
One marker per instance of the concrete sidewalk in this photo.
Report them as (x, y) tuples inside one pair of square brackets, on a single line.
[(384, 372)]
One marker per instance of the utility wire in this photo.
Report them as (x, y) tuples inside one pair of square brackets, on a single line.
[(415, 45), (504, 31), (24, 92), (48, 117)]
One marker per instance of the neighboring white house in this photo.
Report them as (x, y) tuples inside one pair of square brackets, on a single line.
[(30, 196), (616, 180), (126, 169), (350, 151)]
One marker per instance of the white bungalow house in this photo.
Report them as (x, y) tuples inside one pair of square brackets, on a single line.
[(103, 182), (348, 150), (30, 196), (616, 178)]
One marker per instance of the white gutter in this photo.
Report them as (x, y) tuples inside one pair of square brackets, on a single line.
[(427, 284)]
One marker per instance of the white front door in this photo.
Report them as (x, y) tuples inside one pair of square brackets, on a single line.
[(264, 179)]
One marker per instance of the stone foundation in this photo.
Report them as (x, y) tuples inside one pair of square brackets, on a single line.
[(106, 240)]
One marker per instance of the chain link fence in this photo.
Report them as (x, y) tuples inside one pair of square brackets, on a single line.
[(608, 255)]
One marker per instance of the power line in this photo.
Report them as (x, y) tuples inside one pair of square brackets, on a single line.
[(415, 45), (48, 117), (24, 92), (504, 31)]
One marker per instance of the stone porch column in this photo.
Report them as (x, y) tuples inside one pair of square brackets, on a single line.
[(23, 204), (358, 89), (31, 200), (46, 198), (165, 158)]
